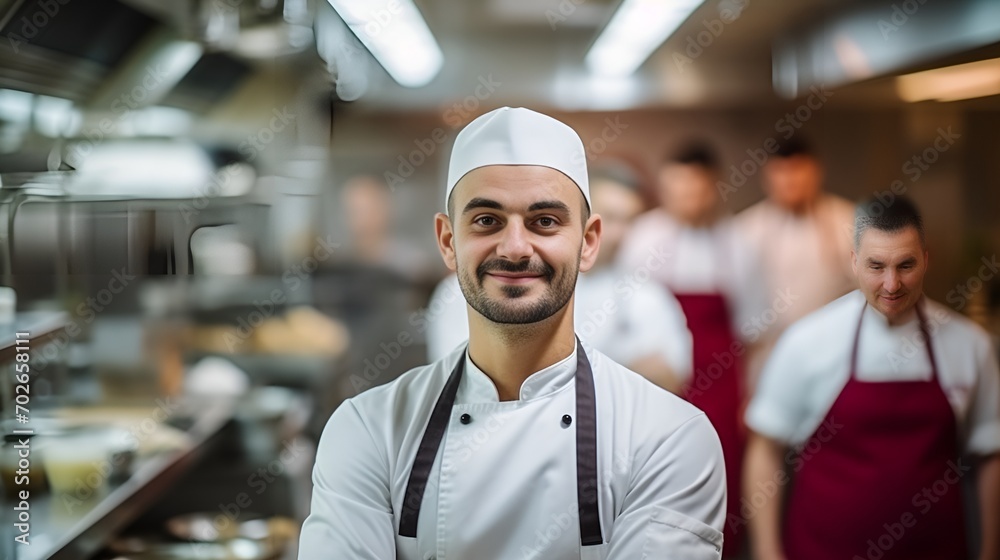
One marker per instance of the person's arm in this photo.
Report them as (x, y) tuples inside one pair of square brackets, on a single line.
[(988, 483), (658, 341), (984, 442), (775, 417), (761, 466), (676, 503), (351, 514)]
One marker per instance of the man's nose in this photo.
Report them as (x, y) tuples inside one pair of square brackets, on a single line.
[(515, 242), (892, 281)]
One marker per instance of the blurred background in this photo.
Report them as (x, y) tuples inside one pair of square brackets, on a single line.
[(216, 215)]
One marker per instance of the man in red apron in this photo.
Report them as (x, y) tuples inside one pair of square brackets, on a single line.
[(712, 275), (874, 412)]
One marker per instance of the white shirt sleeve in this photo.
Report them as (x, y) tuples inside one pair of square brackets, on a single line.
[(676, 503), (657, 326), (448, 319), (984, 414), (778, 408), (351, 513)]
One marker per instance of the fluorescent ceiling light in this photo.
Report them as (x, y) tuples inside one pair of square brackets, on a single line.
[(952, 83), (634, 32), (397, 36)]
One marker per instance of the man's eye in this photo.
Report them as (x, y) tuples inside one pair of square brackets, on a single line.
[(874, 267), (486, 221), (546, 222)]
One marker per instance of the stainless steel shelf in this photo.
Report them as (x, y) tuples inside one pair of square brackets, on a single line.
[(66, 536), (41, 326)]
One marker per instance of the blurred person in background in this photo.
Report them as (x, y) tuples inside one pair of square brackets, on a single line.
[(618, 311), (368, 209), (714, 276), (803, 236), (869, 403)]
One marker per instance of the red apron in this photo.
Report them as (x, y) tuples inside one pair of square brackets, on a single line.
[(716, 388), (860, 494)]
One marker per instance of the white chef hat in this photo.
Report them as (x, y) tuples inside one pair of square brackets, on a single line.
[(518, 136)]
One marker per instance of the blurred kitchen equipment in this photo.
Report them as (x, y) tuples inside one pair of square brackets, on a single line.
[(216, 376), (12, 483), (212, 536), (204, 527), (81, 462), (236, 549), (8, 302)]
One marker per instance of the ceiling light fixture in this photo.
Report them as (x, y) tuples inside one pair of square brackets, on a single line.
[(636, 29), (397, 36), (952, 83)]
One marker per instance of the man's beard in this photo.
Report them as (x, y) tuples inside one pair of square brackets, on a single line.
[(558, 293)]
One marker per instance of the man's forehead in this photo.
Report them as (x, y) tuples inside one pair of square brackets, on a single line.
[(517, 185), (906, 240)]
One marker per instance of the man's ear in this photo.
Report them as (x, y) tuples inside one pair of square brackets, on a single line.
[(445, 240), (591, 242), (854, 261)]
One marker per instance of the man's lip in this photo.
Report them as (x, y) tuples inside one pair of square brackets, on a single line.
[(893, 298), (513, 278)]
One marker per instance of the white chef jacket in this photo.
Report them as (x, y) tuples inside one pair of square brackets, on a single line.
[(504, 485), (701, 260), (621, 314), (808, 258), (811, 364)]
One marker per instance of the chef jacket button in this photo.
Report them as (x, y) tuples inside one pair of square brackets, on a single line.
[(465, 418), (567, 419)]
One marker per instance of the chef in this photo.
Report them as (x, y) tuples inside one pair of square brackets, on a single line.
[(714, 276), (869, 403), (802, 235), (618, 310), (524, 443)]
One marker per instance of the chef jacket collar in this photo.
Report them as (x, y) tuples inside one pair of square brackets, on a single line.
[(477, 387)]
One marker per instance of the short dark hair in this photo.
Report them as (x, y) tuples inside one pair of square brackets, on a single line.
[(897, 215), (699, 153), (794, 146)]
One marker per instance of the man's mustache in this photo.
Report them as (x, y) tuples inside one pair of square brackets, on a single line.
[(542, 269)]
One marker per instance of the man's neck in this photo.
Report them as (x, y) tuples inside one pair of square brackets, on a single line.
[(703, 221), (805, 208), (902, 319), (509, 354)]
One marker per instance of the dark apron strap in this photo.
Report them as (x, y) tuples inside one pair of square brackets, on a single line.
[(427, 451), (586, 452)]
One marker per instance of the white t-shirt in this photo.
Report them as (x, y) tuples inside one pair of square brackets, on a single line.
[(811, 364), (701, 260), (622, 314)]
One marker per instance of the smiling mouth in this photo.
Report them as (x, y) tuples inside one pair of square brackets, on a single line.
[(513, 278)]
